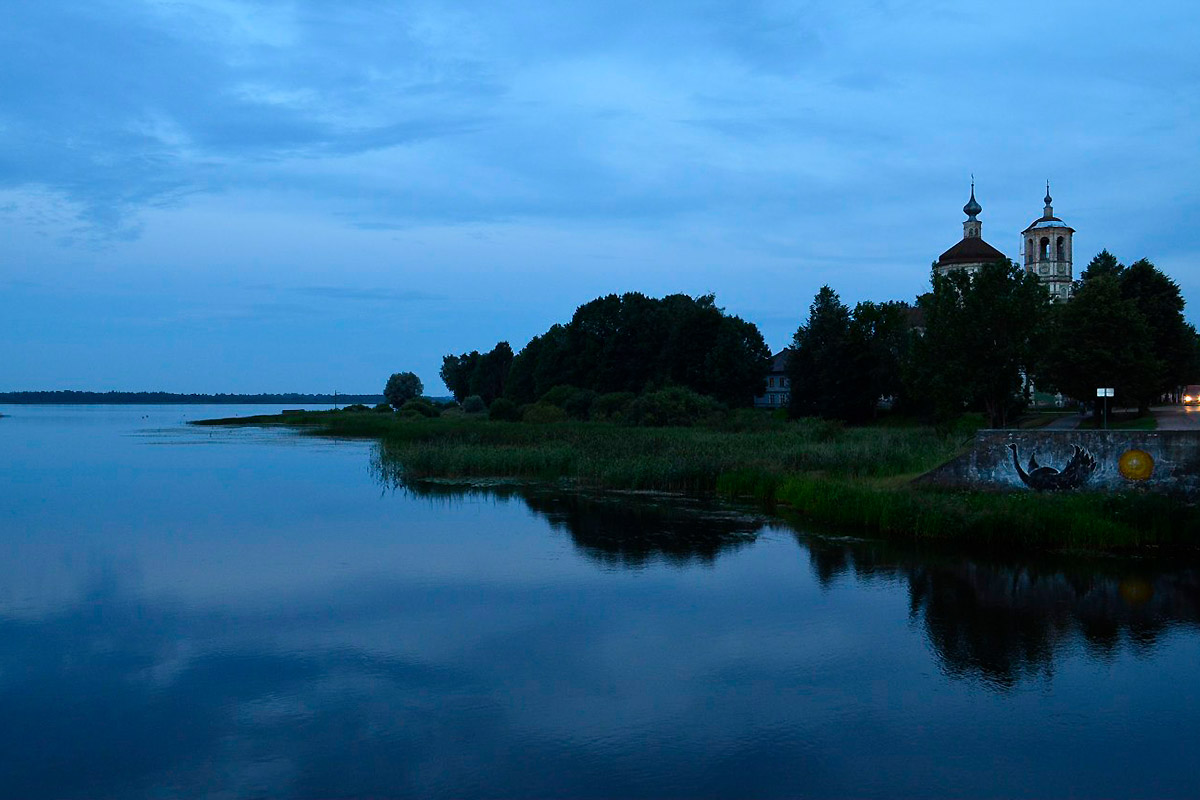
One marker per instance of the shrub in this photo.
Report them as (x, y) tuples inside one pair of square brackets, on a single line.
[(542, 413), (382, 408), (474, 405), (421, 406), (560, 395), (673, 406), (355, 407), (504, 410), (612, 407), (580, 404)]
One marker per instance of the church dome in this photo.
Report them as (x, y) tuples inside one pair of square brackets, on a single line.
[(970, 251), (972, 208)]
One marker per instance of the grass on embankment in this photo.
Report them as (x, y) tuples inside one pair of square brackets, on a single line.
[(856, 479)]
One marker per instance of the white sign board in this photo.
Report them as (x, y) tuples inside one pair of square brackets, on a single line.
[(1105, 393)]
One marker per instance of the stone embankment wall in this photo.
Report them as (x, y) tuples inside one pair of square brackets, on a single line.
[(1104, 461)]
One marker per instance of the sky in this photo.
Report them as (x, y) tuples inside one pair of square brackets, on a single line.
[(304, 195)]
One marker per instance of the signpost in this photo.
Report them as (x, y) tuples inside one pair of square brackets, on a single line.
[(1105, 392)]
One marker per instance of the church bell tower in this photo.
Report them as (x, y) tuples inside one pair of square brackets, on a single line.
[(1047, 247)]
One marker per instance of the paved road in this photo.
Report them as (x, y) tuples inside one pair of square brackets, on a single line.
[(1177, 418), (1064, 423)]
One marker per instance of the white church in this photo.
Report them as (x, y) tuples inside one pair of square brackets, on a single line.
[(1045, 248)]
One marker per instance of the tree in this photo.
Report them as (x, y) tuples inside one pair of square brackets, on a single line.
[(1172, 339), (817, 367), (1171, 348), (880, 337), (1101, 339), (491, 372), (1104, 263), (736, 363), (635, 343), (983, 332), (456, 373), (402, 387)]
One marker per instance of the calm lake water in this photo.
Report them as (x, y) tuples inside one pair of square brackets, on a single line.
[(193, 612)]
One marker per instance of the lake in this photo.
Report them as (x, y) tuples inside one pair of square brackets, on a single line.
[(242, 613)]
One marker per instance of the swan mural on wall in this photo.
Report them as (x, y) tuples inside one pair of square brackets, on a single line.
[(1079, 468)]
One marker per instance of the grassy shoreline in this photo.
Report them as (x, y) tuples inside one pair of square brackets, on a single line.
[(853, 479)]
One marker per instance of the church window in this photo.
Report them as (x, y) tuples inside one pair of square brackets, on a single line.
[(1045, 249), (1060, 249)]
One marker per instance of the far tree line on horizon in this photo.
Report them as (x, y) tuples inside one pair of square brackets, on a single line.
[(973, 342)]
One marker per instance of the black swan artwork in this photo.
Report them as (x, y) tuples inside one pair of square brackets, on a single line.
[(1048, 479)]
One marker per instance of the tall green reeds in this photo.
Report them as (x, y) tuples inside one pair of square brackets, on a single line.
[(856, 479)]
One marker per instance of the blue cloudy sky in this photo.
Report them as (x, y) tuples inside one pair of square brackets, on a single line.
[(307, 195)]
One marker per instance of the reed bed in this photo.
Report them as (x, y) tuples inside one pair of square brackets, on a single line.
[(853, 479)]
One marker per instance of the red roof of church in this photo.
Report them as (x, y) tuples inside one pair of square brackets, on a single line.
[(971, 250)]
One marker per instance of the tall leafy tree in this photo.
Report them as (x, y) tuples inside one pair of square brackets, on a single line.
[(456, 373), (1101, 339), (821, 353), (880, 340), (982, 335), (1104, 263), (490, 374), (1172, 339), (1171, 348)]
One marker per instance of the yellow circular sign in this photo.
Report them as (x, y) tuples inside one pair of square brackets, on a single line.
[(1136, 465), (1135, 591)]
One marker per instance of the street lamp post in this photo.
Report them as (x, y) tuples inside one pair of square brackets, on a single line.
[(1105, 392)]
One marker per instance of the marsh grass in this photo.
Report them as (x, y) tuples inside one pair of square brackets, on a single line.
[(856, 479)]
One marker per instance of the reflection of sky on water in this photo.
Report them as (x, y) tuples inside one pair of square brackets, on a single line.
[(257, 617)]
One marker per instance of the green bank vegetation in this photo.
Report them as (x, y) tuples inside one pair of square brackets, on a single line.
[(856, 479), (639, 393)]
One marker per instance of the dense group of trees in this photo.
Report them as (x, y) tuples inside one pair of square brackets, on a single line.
[(484, 375), (983, 334), (977, 340), (842, 361), (631, 343), (1124, 329), (624, 343), (982, 340)]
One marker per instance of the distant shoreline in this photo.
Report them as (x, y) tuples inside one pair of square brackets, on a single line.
[(68, 397)]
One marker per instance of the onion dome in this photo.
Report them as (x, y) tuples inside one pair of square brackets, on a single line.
[(972, 208)]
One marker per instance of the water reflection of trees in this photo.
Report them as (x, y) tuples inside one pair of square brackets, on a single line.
[(1002, 620), (614, 529)]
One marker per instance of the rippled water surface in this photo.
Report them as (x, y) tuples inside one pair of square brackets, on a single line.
[(237, 613)]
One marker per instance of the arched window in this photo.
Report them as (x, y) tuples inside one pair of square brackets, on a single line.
[(1029, 250), (1060, 249), (1044, 246)]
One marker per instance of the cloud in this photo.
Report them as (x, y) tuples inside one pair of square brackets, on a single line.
[(755, 149)]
